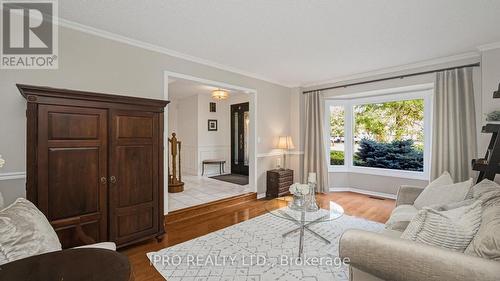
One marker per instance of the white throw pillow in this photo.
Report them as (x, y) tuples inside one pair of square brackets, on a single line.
[(451, 229), (442, 194), (24, 232)]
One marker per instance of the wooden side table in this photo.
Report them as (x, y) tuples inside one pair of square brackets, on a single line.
[(279, 182), (70, 265)]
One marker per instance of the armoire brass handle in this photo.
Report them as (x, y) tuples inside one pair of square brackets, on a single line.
[(112, 179), (104, 180)]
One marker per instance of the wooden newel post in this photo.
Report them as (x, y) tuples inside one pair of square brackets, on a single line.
[(175, 183)]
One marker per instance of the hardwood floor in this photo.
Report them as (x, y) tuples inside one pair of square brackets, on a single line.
[(354, 204)]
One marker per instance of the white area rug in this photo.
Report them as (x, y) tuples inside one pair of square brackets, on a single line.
[(255, 250)]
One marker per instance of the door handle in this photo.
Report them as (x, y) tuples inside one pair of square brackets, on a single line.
[(112, 179), (104, 180)]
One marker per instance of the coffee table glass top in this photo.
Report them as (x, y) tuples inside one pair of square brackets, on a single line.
[(328, 211)]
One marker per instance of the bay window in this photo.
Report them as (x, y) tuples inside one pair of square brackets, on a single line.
[(384, 133)]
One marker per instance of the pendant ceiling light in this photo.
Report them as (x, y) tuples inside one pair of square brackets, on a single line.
[(220, 94)]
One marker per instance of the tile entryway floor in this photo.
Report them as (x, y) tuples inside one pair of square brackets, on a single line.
[(199, 190)]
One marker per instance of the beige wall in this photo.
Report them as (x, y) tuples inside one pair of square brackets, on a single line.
[(92, 63), (490, 68)]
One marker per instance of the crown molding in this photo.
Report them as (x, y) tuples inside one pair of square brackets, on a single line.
[(426, 63), (490, 46), (155, 48)]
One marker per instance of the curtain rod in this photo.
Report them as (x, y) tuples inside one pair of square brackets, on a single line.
[(393, 77)]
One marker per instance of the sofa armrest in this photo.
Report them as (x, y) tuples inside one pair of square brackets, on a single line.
[(407, 194), (392, 258)]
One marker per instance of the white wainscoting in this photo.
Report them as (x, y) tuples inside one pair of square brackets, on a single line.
[(222, 152), (189, 159)]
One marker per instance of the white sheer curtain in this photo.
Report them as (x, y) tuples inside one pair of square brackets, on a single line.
[(454, 135), (315, 151)]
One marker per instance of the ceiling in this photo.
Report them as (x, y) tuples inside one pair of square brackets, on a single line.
[(296, 42), (181, 88)]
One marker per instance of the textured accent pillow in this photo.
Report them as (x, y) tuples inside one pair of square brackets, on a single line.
[(486, 243), (451, 229), (485, 186), (24, 232), (443, 194)]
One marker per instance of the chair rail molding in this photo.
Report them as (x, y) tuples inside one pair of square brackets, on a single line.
[(12, 176), (279, 153)]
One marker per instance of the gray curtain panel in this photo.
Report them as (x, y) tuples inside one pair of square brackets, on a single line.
[(454, 135), (315, 150)]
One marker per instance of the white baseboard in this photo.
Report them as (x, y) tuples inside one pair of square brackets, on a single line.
[(261, 195), (362, 191)]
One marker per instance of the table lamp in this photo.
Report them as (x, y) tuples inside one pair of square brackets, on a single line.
[(285, 143)]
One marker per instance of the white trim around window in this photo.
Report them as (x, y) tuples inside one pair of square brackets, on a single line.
[(424, 92)]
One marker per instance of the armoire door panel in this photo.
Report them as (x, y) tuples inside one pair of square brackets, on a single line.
[(136, 221), (135, 174), (134, 127), (74, 188), (72, 161), (67, 126), (134, 164)]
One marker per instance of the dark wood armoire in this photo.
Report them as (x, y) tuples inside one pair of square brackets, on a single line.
[(95, 164)]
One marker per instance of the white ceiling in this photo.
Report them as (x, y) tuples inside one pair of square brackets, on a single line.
[(182, 88), (296, 42)]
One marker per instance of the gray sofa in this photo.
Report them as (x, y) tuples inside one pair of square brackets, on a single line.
[(385, 256)]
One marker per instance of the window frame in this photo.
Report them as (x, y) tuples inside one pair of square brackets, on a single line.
[(424, 92)]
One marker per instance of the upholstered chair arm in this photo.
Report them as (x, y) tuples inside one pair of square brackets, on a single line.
[(407, 194), (392, 258), (102, 245)]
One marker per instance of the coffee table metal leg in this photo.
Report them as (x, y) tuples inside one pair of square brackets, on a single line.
[(301, 239), (302, 227), (307, 224)]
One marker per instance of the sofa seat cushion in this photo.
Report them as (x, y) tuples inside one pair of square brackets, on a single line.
[(401, 217), (452, 229), (25, 232)]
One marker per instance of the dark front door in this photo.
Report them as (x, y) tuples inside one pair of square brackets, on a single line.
[(133, 173), (240, 118)]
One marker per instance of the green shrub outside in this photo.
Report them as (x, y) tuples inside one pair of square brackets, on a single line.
[(336, 157), (398, 155)]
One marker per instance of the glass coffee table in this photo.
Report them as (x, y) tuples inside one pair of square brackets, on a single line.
[(328, 211)]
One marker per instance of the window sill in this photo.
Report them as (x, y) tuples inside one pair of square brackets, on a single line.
[(381, 172)]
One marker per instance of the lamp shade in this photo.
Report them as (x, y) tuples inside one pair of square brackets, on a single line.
[(285, 142)]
